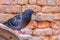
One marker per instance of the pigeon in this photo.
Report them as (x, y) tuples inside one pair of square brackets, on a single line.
[(20, 21)]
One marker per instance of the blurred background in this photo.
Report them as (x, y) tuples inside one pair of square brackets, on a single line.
[(45, 22)]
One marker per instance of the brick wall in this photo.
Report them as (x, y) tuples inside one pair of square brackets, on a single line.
[(45, 23)]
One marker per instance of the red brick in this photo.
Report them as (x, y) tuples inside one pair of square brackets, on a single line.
[(43, 24), (32, 1), (56, 31), (2, 8), (8, 8), (46, 31), (44, 17), (55, 24), (32, 24), (7, 2), (13, 1), (51, 2), (5, 8), (59, 9), (22, 1), (57, 16), (36, 8), (40, 38), (2, 1), (59, 37), (58, 2), (4, 17), (54, 37), (13, 8), (16, 8), (41, 2), (50, 9)]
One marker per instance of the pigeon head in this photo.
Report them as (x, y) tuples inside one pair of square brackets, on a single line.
[(29, 11)]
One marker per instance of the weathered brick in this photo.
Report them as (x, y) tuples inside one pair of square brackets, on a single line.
[(16, 8), (40, 38), (43, 24), (57, 16), (33, 17), (46, 31), (32, 24), (22, 1), (7, 2), (59, 37), (27, 31), (8, 8), (58, 2), (59, 9), (2, 1), (13, 1), (5, 17), (55, 24), (41, 2), (44, 17), (56, 31), (32, 1), (36, 8), (51, 2), (54, 37), (50, 9), (12, 8), (2, 8)]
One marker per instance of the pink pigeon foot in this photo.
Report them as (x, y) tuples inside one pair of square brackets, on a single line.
[(20, 32)]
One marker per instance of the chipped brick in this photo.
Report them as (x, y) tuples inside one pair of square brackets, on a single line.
[(43, 24), (21, 2), (46, 31), (50, 9), (44, 17), (32, 1), (51, 2)]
